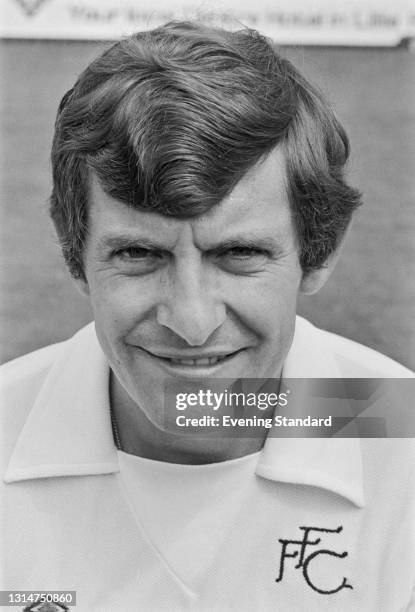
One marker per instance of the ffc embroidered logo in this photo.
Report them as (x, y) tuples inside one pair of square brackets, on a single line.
[(305, 560), (30, 7)]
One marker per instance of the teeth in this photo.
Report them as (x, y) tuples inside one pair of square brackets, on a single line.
[(198, 362)]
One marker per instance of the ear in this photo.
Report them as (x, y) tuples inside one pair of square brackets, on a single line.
[(314, 280), (82, 286)]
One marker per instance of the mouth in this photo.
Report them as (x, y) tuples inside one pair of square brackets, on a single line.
[(200, 361)]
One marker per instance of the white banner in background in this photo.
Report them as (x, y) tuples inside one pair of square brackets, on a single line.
[(309, 22)]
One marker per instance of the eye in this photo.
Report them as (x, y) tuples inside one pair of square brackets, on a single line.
[(138, 260), (136, 253), (244, 252), (243, 259)]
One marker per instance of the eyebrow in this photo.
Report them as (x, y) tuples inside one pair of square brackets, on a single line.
[(246, 240), (264, 243), (125, 241)]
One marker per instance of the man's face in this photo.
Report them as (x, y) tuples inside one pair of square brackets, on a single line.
[(209, 297)]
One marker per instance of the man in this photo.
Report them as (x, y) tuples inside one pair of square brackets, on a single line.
[(198, 188)]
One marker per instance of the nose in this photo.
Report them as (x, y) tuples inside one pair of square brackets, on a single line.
[(191, 307)]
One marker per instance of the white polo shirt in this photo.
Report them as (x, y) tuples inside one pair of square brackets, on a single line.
[(306, 524)]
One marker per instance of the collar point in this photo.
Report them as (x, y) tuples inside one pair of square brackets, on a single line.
[(34, 472), (352, 493)]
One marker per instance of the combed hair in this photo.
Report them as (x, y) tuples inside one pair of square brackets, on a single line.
[(171, 119)]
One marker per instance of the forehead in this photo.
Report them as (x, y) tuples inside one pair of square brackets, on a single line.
[(258, 204)]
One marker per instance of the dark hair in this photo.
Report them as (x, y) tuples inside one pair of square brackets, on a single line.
[(171, 119)]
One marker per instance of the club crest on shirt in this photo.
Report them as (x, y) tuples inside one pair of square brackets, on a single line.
[(305, 558)]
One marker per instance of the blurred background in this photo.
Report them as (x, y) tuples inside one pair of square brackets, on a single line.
[(361, 59)]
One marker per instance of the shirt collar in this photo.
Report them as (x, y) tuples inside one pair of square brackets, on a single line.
[(68, 431), (334, 464)]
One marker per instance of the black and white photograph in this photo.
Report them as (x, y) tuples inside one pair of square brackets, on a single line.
[(207, 292)]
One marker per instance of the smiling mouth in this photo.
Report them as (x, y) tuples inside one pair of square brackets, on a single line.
[(196, 362), (203, 361)]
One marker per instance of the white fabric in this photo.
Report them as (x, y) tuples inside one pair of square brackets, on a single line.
[(186, 510), (72, 520)]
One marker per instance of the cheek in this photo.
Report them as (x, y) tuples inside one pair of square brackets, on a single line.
[(267, 305), (118, 303)]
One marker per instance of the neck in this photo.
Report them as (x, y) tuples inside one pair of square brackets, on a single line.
[(138, 435)]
